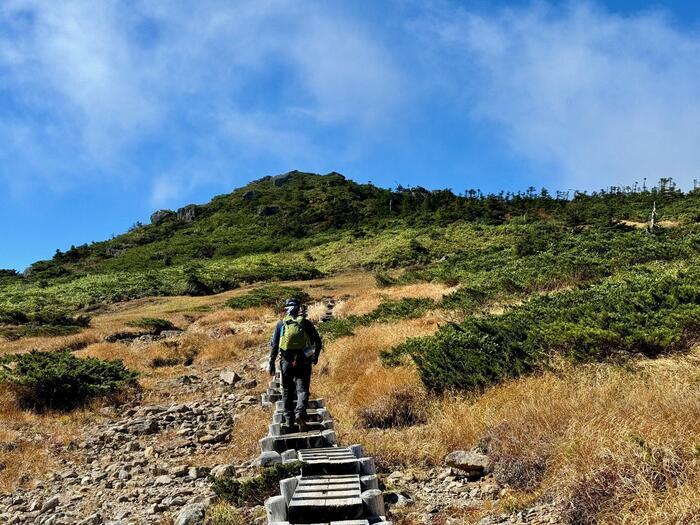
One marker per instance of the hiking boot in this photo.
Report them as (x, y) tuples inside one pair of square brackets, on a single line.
[(301, 423)]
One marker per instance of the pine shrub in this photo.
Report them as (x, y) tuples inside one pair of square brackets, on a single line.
[(61, 381)]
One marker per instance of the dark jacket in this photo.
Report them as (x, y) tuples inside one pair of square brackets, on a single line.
[(311, 332)]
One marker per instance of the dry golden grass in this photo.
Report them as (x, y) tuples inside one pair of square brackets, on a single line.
[(364, 300), (616, 445), (243, 445), (25, 459)]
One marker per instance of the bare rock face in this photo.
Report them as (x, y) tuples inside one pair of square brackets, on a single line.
[(472, 462), (249, 195), (280, 180), (188, 213), (161, 216)]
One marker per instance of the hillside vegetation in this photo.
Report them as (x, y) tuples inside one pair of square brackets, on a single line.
[(556, 333)]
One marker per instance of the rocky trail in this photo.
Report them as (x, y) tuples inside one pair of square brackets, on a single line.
[(143, 463), (152, 464)]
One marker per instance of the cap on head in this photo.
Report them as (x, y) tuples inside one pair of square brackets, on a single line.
[(291, 303)]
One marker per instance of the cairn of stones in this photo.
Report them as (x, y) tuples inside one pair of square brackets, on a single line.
[(337, 486)]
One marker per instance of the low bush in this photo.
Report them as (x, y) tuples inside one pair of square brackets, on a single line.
[(61, 381), (256, 490), (270, 295), (152, 325), (45, 322), (646, 312)]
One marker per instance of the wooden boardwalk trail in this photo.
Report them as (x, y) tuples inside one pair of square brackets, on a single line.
[(337, 485)]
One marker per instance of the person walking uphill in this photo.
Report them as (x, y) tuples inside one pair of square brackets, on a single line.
[(296, 340)]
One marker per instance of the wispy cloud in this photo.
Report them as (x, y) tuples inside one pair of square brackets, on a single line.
[(250, 76), (596, 98)]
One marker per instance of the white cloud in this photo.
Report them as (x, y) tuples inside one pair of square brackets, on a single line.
[(247, 75), (599, 99)]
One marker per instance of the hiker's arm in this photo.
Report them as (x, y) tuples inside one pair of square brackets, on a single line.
[(275, 346), (315, 339)]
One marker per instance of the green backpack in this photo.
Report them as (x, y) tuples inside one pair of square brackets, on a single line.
[(293, 334)]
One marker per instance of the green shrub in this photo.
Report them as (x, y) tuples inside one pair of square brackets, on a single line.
[(152, 325), (59, 380), (646, 312), (256, 490), (270, 295)]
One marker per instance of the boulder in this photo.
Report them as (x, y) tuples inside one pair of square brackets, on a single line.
[(267, 459), (187, 213), (230, 377), (192, 514), (215, 438), (223, 471), (474, 463), (249, 195), (161, 216), (282, 179)]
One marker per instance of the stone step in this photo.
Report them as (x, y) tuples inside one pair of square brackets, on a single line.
[(319, 499), (310, 427), (313, 404), (298, 440)]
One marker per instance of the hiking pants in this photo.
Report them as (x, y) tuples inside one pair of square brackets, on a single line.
[(296, 381)]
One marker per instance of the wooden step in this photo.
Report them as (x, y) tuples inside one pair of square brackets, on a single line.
[(328, 461), (319, 499), (296, 441)]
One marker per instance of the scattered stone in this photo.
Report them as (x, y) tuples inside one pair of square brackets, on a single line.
[(50, 504), (471, 462), (223, 471), (229, 377), (190, 515)]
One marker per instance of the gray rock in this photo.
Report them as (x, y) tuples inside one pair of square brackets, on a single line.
[(50, 504), (468, 461), (163, 480), (215, 438), (145, 427), (191, 515), (199, 472), (230, 377), (223, 471), (187, 213), (249, 195), (282, 179), (267, 459), (94, 519), (161, 216)]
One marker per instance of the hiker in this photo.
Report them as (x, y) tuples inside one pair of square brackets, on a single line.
[(296, 340)]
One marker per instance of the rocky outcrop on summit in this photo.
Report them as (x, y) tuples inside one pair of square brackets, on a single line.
[(188, 213), (160, 216)]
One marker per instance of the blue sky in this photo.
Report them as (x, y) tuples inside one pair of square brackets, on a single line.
[(110, 110)]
